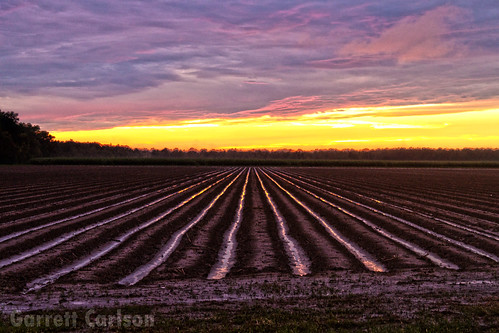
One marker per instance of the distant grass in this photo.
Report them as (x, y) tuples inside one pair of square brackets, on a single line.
[(264, 162), (258, 318)]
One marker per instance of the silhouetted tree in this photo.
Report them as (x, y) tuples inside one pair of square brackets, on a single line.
[(19, 142)]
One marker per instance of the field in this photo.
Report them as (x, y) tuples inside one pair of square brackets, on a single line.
[(383, 245)]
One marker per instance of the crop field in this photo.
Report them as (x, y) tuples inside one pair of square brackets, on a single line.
[(181, 235)]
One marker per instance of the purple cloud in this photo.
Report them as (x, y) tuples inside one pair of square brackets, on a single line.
[(118, 62)]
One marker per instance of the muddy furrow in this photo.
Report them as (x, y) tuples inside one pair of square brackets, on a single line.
[(47, 196), (383, 205), (117, 242), (191, 259), (82, 198), (164, 253), (396, 183), (197, 253), (87, 208), (27, 178), (392, 255), (429, 206), (104, 205), (455, 242), (13, 214), (56, 179), (28, 241), (457, 195), (54, 192), (41, 191), (26, 185), (299, 262), (259, 246), (485, 211), (456, 199), (358, 252), (323, 251), (474, 230), (417, 250), (59, 239), (227, 254), (471, 183)]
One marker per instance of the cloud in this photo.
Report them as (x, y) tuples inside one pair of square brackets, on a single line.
[(414, 38), (80, 63)]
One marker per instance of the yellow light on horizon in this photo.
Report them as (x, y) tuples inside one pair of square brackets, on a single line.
[(428, 125)]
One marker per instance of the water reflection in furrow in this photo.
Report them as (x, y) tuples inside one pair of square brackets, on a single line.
[(300, 264), (50, 278), (460, 244), (408, 245), (87, 213), (455, 208), (226, 257), (365, 258), (474, 230), (171, 245), (63, 238)]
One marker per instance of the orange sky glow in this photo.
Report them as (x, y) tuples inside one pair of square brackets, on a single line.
[(425, 125)]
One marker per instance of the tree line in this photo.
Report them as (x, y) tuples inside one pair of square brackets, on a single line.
[(21, 142)]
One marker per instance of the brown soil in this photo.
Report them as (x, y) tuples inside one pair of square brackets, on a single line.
[(32, 196)]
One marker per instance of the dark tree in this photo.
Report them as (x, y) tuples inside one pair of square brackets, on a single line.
[(19, 142)]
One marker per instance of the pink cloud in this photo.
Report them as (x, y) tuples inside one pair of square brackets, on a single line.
[(414, 38), (289, 106)]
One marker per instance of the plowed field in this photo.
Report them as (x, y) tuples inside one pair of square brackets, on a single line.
[(150, 231)]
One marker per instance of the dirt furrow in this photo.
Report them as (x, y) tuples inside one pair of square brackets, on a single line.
[(62, 232), (324, 252), (119, 261), (117, 239), (463, 249), (490, 206), (299, 262), (164, 253), (259, 247), (32, 192), (451, 193), (464, 223), (47, 196), (24, 226), (227, 253), (473, 183), (417, 250), (197, 253), (366, 258), (23, 250), (84, 197), (65, 185), (35, 180), (485, 220)]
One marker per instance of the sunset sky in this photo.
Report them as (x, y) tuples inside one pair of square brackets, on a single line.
[(255, 74)]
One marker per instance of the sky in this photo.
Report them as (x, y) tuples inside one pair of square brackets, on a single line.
[(255, 74)]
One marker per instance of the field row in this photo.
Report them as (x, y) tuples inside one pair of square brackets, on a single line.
[(129, 225)]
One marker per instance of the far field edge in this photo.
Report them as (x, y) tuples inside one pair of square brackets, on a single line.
[(264, 162)]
